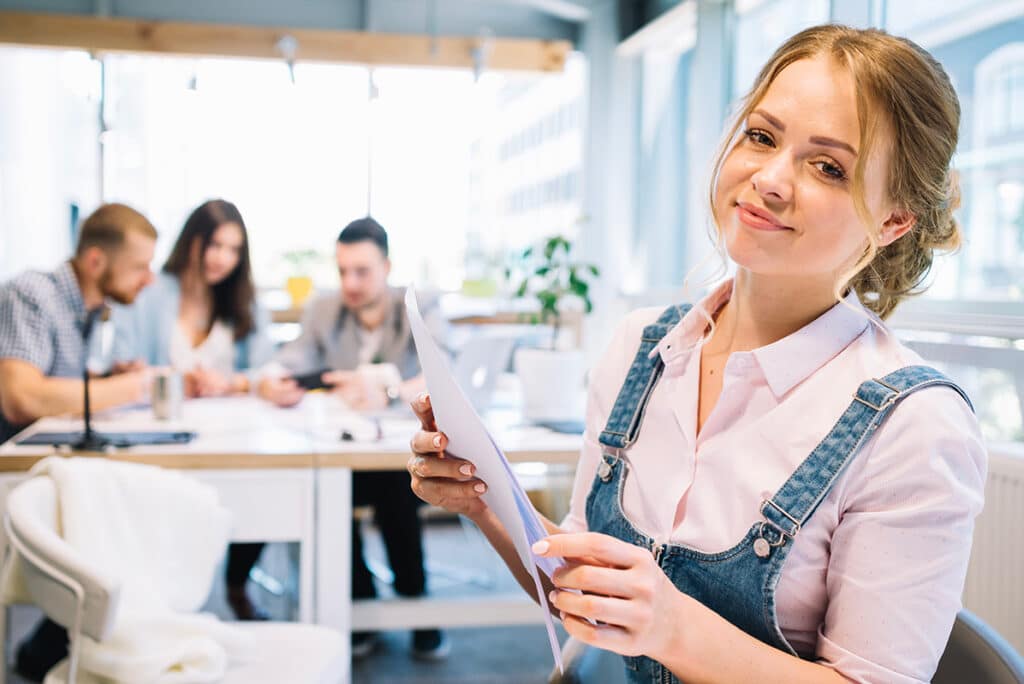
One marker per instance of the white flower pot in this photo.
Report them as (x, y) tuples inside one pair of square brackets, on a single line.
[(552, 383)]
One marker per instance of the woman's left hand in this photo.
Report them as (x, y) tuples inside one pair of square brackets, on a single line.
[(637, 609), (204, 382)]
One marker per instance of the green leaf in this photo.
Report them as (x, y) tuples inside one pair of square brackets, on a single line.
[(594, 270), (576, 286), (521, 292), (548, 300), (549, 248), (543, 270)]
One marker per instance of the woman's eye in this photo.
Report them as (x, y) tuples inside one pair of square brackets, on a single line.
[(831, 170), (758, 137)]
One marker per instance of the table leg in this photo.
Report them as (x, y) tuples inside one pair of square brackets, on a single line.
[(333, 549)]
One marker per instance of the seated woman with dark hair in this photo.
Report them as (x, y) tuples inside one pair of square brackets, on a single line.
[(200, 317)]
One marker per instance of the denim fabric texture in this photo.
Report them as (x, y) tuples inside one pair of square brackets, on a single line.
[(739, 583)]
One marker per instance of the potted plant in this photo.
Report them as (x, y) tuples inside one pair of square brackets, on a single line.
[(300, 283), (552, 374)]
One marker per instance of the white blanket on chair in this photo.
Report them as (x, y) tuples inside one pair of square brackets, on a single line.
[(163, 534)]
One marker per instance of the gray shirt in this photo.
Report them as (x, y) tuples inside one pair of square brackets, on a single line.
[(331, 336), (42, 316)]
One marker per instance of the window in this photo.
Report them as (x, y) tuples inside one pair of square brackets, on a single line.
[(762, 26), (972, 317), (293, 157), (49, 147)]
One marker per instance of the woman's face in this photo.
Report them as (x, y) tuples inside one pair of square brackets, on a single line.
[(784, 196), (223, 253)]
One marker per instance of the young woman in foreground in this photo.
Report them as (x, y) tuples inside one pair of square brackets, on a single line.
[(739, 499)]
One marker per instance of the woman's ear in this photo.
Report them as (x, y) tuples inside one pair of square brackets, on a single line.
[(898, 224)]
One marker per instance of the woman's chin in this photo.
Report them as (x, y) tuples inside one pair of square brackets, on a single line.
[(214, 279)]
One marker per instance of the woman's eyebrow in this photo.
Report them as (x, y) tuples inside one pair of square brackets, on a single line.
[(770, 119), (832, 142), (816, 139)]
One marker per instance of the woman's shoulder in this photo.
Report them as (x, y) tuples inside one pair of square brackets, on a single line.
[(633, 323), (933, 439), (625, 340)]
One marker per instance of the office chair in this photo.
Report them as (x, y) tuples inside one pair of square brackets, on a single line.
[(84, 599), (975, 653)]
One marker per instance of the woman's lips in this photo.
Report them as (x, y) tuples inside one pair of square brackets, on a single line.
[(758, 218)]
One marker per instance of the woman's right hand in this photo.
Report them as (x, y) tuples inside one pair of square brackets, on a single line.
[(439, 478)]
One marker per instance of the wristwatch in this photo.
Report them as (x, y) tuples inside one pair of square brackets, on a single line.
[(393, 392)]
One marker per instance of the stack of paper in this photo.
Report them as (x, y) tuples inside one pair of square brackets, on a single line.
[(468, 438)]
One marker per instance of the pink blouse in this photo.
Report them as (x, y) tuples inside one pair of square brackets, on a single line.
[(873, 582)]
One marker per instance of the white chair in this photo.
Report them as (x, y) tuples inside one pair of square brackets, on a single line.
[(84, 600)]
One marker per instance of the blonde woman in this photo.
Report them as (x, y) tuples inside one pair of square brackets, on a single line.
[(771, 473)]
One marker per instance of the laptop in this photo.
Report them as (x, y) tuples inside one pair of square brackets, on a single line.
[(477, 366)]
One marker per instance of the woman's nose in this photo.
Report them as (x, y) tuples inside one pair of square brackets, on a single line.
[(774, 179)]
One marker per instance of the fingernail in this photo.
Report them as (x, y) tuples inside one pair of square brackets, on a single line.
[(541, 547), (437, 440), (553, 596), (423, 398), (466, 469), (480, 487)]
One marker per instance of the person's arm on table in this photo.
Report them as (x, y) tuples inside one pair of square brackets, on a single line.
[(27, 395)]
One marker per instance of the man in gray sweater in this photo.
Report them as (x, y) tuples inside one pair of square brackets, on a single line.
[(358, 340)]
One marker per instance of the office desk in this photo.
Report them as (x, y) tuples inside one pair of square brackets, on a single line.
[(286, 476)]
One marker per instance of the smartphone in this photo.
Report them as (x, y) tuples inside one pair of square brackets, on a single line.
[(312, 381)]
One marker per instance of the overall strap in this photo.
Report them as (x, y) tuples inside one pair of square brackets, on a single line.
[(873, 401), (627, 413)]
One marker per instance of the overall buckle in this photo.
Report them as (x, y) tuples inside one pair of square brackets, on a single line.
[(888, 400), (763, 545)]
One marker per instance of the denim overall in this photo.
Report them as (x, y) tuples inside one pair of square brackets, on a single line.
[(738, 584)]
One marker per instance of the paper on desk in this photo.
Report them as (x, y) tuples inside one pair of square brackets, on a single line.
[(468, 438)]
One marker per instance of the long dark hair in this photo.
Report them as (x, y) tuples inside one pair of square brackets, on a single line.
[(233, 297)]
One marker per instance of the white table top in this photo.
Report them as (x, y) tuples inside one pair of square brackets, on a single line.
[(246, 432)]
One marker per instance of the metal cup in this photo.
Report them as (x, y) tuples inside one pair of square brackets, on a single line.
[(168, 394)]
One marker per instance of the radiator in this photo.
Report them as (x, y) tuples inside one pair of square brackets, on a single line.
[(995, 579)]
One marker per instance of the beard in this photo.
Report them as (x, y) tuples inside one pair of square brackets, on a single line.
[(110, 288), (368, 302)]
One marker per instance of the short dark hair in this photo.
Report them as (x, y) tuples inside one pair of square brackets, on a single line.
[(107, 226), (365, 230)]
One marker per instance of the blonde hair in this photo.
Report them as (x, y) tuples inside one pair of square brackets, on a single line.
[(903, 89), (107, 227)]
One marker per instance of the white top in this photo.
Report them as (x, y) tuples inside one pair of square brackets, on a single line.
[(216, 352), (873, 582), (369, 342)]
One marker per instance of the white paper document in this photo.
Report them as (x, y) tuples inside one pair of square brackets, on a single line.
[(468, 438)]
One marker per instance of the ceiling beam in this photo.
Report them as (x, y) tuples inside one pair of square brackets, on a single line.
[(102, 34), (569, 10)]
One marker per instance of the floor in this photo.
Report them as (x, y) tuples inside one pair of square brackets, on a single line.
[(458, 562)]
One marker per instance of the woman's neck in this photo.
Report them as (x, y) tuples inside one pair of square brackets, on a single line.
[(763, 310)]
